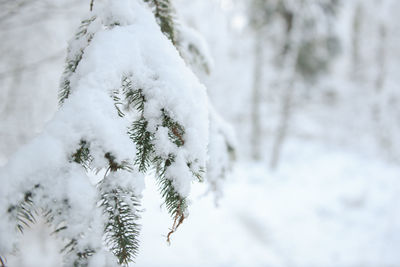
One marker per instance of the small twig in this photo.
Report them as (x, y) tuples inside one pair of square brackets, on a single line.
[(176, 133), (178, 220), (91, 5)]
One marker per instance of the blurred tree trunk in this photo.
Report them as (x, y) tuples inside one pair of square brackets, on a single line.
[(355, 39), (382, 133), (289, 59), (381, 57), (256, 97), (283, 125)]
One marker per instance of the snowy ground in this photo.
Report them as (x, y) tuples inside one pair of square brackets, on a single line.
[(323, 207)]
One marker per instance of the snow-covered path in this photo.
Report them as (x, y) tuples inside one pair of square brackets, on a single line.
[(323, 207)]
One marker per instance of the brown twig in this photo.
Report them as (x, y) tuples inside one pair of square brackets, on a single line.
[(91, 5), (176, 133), (178, 220)]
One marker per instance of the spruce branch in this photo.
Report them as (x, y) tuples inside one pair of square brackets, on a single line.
[(165, 16), (72, 255), (77, 258), (176, 131), (24, 211), (82, 155), (176, 204), (199, 173), (72, 61), (146, 156), (121, 207), (198, 58), (145, 151), (144, 146), (114, 166), (117, 102), (83, 30), (134, 96), (138, 132), (121, 229), (82, 257), (70, 68)]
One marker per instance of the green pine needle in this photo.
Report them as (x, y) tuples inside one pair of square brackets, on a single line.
[(121, 229), (165, 16), (82, 155), (175, 130), (144, 146), (72, 64)]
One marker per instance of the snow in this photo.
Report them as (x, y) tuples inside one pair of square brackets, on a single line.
[(327, 204), (323, 207)]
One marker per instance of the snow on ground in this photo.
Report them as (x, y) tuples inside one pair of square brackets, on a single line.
[(323, 207)]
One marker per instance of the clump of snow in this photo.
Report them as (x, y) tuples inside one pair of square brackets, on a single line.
[(194, 49)]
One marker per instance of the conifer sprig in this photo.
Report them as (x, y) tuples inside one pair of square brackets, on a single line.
[(121, 208), (24, 215), (139, 134), (74, 59), (120, 205), (146, 156), (199, 59), (194, 57), (121, 229), (176, 204), (82, 155), (75, 257), (165, 16), (175, 130), (144, 146), (24, 211)]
